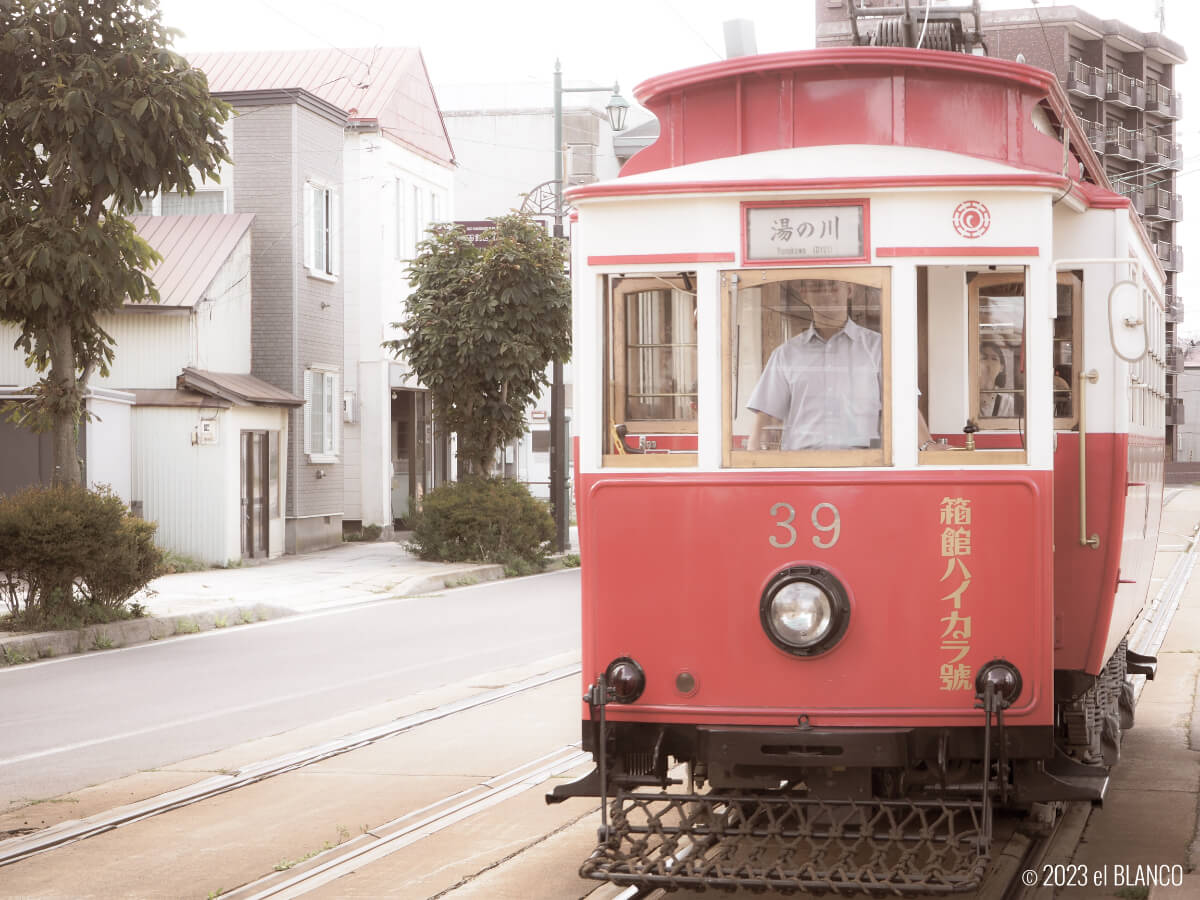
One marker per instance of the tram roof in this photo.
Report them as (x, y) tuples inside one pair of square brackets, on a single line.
[(877, 97)]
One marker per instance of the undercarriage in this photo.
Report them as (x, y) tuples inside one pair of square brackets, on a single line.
[(875, 810)]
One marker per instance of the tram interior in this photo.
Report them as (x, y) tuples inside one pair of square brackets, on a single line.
[(807, 370)]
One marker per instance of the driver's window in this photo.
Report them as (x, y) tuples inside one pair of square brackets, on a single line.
[(806, 378)]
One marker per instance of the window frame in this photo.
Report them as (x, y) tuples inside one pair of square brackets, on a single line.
[(322, 216), (617, 289), (878, 277), (327, 449), (981, 280)]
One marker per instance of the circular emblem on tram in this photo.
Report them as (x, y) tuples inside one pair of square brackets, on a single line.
[(972, 219)]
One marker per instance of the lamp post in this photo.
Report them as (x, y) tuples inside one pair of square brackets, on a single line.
[(617, 109)]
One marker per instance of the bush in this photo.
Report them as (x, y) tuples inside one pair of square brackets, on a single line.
[(71, 557), (484, 520)]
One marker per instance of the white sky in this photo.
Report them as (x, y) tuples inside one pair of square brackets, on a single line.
[(466, 41)]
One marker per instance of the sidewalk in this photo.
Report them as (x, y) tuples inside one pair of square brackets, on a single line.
[(188, 602)]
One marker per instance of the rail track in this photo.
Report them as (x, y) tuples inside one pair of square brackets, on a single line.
[(25, 846)]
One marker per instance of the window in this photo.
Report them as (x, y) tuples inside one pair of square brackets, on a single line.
[(1067, 339), (274, 491), (322, 241), (997, 322), (198, 204), (321, 415), (401, 247), (806, 367), (650, 343), (414, 221), (972, 339)]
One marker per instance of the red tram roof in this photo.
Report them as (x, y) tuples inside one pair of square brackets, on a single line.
[(971, 105)]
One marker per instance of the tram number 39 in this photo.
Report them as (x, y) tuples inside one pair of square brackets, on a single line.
[(825, 518)]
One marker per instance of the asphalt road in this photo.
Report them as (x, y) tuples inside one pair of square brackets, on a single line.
[(77, 721)]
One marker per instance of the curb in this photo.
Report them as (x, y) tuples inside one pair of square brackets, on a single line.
[(18, 648)]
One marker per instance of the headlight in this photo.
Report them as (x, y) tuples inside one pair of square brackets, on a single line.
[(804, 610)]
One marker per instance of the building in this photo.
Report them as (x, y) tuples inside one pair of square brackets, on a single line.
[(183, 432), (1122, 86), (343, 159)]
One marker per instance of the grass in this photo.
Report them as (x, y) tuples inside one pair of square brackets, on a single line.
[(173, 563), (14, 657), (186, 626), (102, 642), (571, 561), (220, 622), (343, 834)]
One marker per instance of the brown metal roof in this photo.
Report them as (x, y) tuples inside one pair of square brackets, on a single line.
[(241, 390), (168, 397), (193, 249), (389, 85)]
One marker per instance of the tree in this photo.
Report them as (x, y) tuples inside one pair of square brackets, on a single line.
[(98, 113), (481, 325)]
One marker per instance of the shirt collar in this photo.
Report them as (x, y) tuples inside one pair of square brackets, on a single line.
[(851, 330)]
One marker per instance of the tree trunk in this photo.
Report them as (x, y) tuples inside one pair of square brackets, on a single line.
[(67, 410)]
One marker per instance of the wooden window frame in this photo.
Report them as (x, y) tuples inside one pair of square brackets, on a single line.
[(879, 277), (981, 280), (1075, 279), (616, 381)]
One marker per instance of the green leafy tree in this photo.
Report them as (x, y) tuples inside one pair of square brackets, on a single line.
[(482, 325), (98, 113)]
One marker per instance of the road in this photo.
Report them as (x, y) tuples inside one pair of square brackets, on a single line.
[(81, 720)]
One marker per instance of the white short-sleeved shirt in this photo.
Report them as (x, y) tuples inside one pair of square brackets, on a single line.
[(828, 394)]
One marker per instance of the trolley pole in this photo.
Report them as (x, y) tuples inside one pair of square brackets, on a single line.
[(617, 109)]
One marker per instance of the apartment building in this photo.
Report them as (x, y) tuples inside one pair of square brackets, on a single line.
[(1122, 86)]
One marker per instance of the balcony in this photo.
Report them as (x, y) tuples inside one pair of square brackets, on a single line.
[(1163, 151), (1095, 134), (1175, 357), (1123, 90), (1174, 308), (1175, 411), (1170, 255), (1085, 80), (1125, 143), (1137, 198), (1163, 101), (1163, 204)]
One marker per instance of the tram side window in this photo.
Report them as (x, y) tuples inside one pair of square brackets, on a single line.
[(806, 377), (650, 343), (1067, 335)]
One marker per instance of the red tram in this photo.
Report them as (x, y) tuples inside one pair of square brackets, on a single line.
[(870, 395)]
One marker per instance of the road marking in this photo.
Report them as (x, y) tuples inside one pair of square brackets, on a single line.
[(231, 710)]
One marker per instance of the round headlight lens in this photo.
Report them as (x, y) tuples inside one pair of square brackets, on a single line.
[(804, 610), (801, 613)]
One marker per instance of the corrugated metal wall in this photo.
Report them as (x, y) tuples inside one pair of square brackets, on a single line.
[(185, 487)]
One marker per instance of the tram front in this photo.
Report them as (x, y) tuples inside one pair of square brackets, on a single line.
[(817, 387)]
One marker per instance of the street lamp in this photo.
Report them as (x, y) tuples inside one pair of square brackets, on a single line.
[(617, 109)]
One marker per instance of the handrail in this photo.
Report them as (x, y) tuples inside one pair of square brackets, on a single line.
[(1092, 376)]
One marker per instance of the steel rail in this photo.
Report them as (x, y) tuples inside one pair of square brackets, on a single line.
[(19, 848), (342, 861)]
